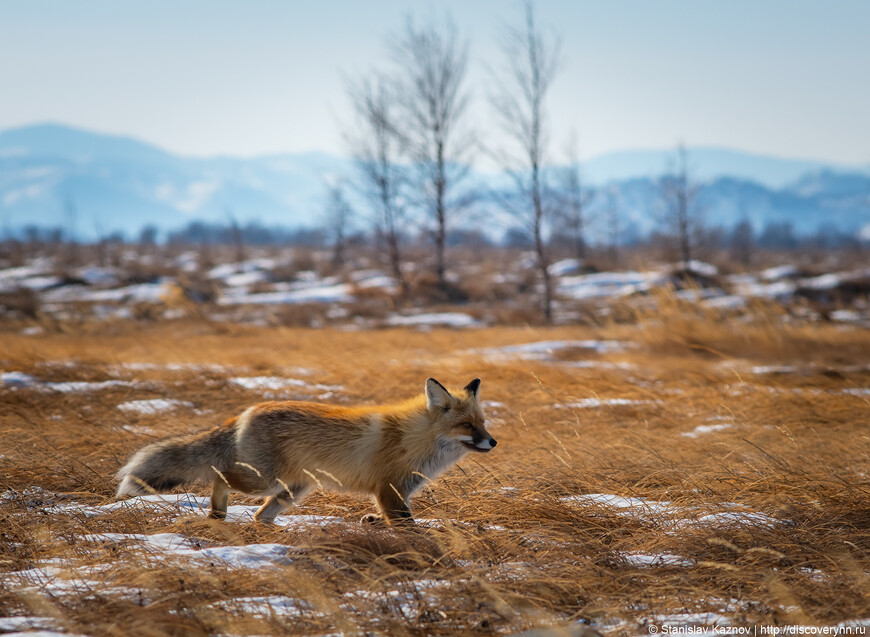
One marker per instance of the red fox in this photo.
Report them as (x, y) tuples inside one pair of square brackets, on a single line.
[(282, 450)]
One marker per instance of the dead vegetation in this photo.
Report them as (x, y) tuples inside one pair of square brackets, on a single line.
[(699, 465)]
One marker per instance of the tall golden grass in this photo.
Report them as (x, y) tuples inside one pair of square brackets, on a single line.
[(507, 548)]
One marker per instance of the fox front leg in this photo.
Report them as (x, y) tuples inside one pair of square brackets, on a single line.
[(271, 508), (274, 504), (394, 506)]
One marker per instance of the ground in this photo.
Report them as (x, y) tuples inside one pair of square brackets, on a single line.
[(679, 469)]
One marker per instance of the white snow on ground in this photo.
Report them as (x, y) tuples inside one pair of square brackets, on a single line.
[(275, 383), (699, 267), (781, 283), (668, 513), (189, 503), (153, 405), (544, 350), (74, 387), (777, 290), (245, 279), (726, 302), (823, 282), (175, 545), (603, 284), (774, 369), (366, 279), (23, 624), (700, 430), (16, 379), (139, 293), (621, 502), (564, 267), (226, 271), (594, 364), (140, 431), (36, 277), (447, 319), (846, 316), (93, 275), (408, 597), (19, 379), (779, 272), (591, 403), (268, 606), (325, 293), (172, 367), (655, 559), (57, 578), (690, 619)]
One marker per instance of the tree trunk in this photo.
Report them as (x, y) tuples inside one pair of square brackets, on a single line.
[(440, 215)]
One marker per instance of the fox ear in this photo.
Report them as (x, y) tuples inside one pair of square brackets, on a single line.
[(473, 387), (436, 395)]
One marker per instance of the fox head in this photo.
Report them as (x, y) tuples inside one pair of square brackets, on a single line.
[(459, 417)]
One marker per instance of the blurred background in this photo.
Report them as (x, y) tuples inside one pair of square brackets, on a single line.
[(401, 139)]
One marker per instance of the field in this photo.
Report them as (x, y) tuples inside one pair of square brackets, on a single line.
[(683, 468)]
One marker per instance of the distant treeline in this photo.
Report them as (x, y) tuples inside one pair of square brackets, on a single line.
[(774, 236)]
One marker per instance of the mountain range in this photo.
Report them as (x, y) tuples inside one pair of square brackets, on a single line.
[(92, 184)]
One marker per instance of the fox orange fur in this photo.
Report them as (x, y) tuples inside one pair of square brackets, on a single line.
[(282, 450)]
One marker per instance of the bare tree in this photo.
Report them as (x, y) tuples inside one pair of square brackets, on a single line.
[(682, 215), (338, 217), (432, 64), (71, 213), (575, 200), (614, 225), (742, 242), (375, 146), (237, 238), (529, 68)]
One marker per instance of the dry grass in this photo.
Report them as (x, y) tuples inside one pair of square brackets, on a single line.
[(508, 549)]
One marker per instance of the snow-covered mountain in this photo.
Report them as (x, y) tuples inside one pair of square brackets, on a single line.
[(707, 164), (53, 175)]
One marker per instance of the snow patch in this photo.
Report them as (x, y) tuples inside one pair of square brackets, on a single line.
[(609, 284), (17, 379), (74, 387), (22, 623), (592, 403), (445, 319), (652, 560), (173, 544), (277, 383), (189, 503), (326, 293), (268, 606), (700, 430), (545, 350), (678, 516), (154, 405)]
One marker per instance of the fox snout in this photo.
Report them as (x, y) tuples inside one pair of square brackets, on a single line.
[(487, 444), (481, 443)]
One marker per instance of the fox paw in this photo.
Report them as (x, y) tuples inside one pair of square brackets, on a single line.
[(372, 518)]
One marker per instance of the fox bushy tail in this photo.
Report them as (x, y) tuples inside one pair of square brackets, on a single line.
[(179, 461)]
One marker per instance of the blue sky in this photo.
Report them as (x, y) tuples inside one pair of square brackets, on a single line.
[(785, 77)]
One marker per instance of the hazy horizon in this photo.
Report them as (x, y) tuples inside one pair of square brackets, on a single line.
[(266, 78)]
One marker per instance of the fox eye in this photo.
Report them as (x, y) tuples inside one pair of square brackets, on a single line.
[(467, 425)]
